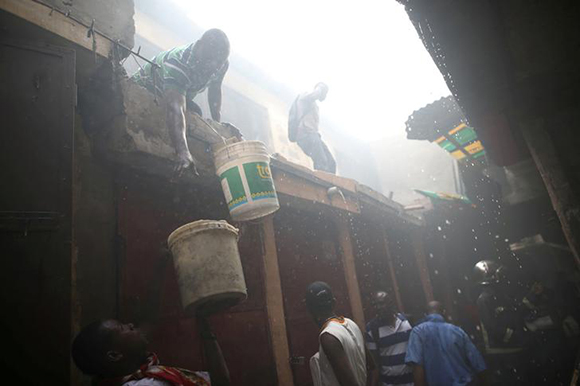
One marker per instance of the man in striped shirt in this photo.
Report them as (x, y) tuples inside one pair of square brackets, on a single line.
[(387, 337), (180, 74)]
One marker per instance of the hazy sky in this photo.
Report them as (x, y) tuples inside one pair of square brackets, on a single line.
[(368, 53)]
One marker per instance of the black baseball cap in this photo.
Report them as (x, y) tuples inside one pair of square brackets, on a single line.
[(319, 295)]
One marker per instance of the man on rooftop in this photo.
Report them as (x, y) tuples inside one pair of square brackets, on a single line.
[(303, 121), (181, 74)]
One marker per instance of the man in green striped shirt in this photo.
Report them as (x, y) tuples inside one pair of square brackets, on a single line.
[(181, 74)]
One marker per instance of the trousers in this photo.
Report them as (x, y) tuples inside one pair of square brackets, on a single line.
[(314, 147)]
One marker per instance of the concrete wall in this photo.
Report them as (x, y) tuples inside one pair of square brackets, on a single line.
[(112, 17)]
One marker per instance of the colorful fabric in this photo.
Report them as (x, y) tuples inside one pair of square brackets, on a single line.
[(178, 70), (172, 375), (438, 196), (389, 345), (461, 140)]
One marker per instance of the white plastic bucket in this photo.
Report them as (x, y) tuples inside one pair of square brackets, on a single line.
[(208, 266), (244, 171)]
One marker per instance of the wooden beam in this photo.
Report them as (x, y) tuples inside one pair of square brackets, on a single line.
[(563, 198), (348, 264), (394, 282), (295, 186), (275, 305), (56, 23), (421, 259)]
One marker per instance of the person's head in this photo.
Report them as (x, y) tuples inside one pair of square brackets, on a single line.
[(320, 301), (211, 51), (435, 307), (384, 305), (322, 90), (484, 272), (109, 349)]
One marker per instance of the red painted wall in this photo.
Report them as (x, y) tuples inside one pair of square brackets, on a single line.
[(308, 251), (148, 211)]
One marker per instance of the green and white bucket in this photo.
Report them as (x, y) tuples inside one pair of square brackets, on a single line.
[(244, 171)]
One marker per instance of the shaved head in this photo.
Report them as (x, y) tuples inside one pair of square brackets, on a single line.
[(435, 307)]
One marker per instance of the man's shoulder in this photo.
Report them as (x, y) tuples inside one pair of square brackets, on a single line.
[(352, 324), (456, 329)]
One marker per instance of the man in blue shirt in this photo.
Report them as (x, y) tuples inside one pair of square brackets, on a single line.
[(442, 354)]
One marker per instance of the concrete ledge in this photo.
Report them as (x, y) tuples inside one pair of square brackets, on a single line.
[(137, 135)]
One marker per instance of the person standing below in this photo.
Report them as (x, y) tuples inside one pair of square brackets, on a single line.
[(502, 325), (387, 338), (303, 123), (343, 359), (442, 354), (180, 74)]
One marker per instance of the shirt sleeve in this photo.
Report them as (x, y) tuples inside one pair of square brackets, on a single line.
[(414, 349), (371, 344), (473, 355)]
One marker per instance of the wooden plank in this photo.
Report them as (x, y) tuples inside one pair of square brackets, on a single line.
[(350, 269), (394, 282), (421, 259), (275, 305), (295, 186), (56, 23), (563, 199)]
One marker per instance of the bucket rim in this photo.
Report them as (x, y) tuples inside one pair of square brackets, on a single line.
[(200, 226), (222, 154)]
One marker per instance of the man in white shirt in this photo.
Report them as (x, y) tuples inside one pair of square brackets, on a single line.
[(303, 122), (343, 359)]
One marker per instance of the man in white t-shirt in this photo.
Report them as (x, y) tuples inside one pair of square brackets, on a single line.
[(303, 128), (343, 359)]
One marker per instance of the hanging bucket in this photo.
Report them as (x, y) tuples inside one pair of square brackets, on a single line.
[(208, 266), (244, 171)]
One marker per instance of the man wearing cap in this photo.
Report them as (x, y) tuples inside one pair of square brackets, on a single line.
[(343, 359)]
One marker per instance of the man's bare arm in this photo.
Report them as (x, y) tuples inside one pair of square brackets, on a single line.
[(176, 125), (217, 368), (338, 360), (214, 98), (419, 375), (372, 371)]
